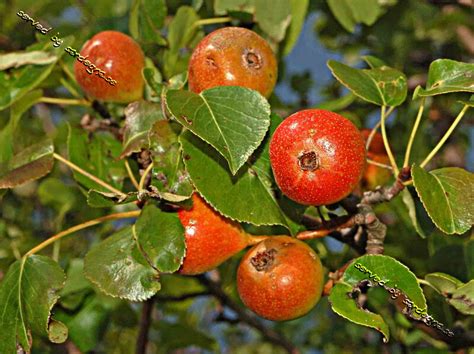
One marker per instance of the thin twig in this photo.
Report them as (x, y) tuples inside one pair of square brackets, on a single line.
[(64, 101), (383, 116), (131, 176), (88, 175), (379, 164), (144, 326), (144, 176), (413, 133)]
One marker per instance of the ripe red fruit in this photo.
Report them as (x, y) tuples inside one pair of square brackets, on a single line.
[(233, 56), (119, 57), (281, 278), (211, 239), (374, 175), (317, 157)]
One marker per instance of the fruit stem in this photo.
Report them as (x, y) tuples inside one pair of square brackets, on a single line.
[(67, 101), (211, 21), (131, 176), (383, 116), (58, 236), (88, 175), (445, 137), (143, 178), (374, 129), (378, 164), (413, 132)]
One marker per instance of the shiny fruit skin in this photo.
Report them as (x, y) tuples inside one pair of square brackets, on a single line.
[(317, 157), (375, 176), (233, 56), (121, 58), (280, 278), (211, 239)]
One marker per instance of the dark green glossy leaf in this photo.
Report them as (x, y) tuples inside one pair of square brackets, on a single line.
[(444, 283), (448, 196), (118, 268), (28, 292), (232, 119), (15, 85), (463, 298), (221, 7), (169, 175), (209, 169), (146, 19), (139, 118), (388, 270), (97, 199), (273, 17), (32, 163), (299, 9), (17, 59), (445, 76), (98, 155), (381, 86), (161, 236)]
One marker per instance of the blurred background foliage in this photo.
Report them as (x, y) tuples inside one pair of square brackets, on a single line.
[(406, 34)]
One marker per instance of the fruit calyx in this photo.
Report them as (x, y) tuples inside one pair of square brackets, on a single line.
[(252, 59), (308, 161), (262, 261)]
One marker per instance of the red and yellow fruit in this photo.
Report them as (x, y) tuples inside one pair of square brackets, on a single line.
[(280, 278), (107, 57), (317, 157), (211, 238), (233, 56)]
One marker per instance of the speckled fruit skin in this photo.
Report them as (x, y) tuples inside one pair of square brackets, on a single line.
[(281, 278), (233, 56), (121, 58), (317, 157), (373, 175), (211, 239)]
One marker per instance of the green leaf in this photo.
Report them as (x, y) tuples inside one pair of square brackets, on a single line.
[(118, 268), (299, 8), (32, 163), (410, 204), (381, 86), (161, 236), (445, 76), (98, 155), (347, 308), (209, 169), (222, 7), (232, 119), (343, 14), (394, 274), (444, 283), (146, 19), (14, 86), (273, 17), (98, 199), (154, 81), (139, 118), (448, 196), (17, 59), (365, 11), (28, 292), (463, 298), (172, 338), (169, 174), (182, 34), (373, 62)]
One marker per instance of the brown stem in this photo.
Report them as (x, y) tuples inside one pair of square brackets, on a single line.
[(144, 326), (268, 333), (171, 298)]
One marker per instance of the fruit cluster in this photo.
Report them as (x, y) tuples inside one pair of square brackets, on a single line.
[(318, 157)]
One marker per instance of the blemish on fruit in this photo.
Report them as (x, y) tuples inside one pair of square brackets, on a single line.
[(211, 62), (252, 60), (263, 260), (308, 161)]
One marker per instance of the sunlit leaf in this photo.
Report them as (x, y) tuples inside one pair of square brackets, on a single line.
[(299, 9), (17, 59), (232, 119), (273, 17), (463, 298)]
